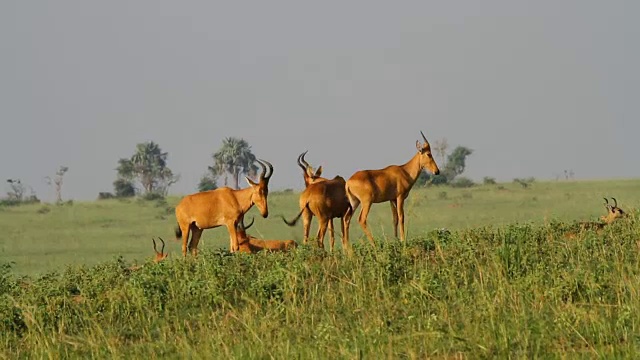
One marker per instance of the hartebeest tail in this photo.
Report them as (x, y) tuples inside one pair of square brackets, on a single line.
[(221, 207), (392, 183)]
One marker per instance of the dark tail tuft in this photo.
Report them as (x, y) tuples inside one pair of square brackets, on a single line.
[(178, 233), (295, 220)]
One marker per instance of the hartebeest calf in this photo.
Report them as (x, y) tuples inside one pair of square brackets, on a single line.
[(250, 244), (326, 200), (392, 184), (613, 213), (222, 206)]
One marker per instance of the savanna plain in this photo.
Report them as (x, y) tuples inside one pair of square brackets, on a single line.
[(486, 272)]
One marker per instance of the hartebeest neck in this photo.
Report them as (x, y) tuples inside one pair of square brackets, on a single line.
[(243, 196), (412, 167)]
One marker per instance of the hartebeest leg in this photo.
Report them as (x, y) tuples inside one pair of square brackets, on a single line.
[(332, 238), (195, 239), (233, 236), (394, 212), (401, 217), (322, 229), (306, 224), (186, 229), (345, 235), (362, 219)]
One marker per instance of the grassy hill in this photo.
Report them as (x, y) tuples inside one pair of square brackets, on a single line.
[(502, 282)]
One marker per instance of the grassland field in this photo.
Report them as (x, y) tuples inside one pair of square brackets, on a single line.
[(502, 283), (41, 238)]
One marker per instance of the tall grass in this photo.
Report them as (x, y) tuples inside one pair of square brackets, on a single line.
[(510, 291)]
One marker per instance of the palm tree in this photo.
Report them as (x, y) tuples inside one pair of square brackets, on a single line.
[(150, 163), (235, 158)]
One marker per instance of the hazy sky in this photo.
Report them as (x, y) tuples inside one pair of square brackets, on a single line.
[(533, 87)]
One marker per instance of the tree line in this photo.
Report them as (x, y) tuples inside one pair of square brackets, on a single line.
[(147, 174)]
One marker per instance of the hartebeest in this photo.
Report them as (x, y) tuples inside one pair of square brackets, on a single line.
[(251, 244), (613, 213), (312, 176), (222, 206), (160, 255), (326, 200), (393, 184)]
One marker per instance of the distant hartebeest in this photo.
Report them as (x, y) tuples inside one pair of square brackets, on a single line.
[(392, 184), (222, 206), (160, 255), (613, 213), (250, 244)]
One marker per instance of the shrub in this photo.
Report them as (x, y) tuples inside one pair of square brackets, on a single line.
[(487, 180), (462, 182)]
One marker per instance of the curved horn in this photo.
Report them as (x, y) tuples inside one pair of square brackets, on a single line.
[(606, 201), (264, 169), (154, 245), (266, 177), (305, 161), (162, 250), (248, 226), (615, 202), (301, 162), (424, 137)]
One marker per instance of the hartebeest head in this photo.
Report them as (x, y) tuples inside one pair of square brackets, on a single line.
[(260, 190), (160, 255), (310, 176), (426, 158), (613, 211)]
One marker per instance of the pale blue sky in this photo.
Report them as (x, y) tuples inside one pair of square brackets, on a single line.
[(534, 87)]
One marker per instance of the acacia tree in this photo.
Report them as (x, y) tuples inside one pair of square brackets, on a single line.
[(57, 182), (148, 166), (235, 158)]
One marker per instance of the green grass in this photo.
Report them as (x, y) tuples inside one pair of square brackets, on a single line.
[(502, 283)]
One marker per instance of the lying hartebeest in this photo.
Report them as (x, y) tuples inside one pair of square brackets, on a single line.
[(393, 184), (160, 255), (613, 213), (222, 206), (326, 200), (250, 244)]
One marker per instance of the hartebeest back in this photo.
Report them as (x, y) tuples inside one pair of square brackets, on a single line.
[(222, 206), (393, 184), (326, 200), (251, 244)]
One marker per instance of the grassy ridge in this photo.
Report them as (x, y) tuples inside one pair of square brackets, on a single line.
[(41, 238), (503, 282), (519, 290)]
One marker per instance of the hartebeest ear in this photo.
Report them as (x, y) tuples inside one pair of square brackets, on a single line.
[(251, 182), (318, 171), (418, 146)]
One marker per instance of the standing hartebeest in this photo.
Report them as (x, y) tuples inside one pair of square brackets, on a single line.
[(326, 200), (392, 184), (222, 206), (334, 192)]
